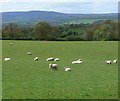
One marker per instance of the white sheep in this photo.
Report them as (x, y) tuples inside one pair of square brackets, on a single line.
[(114, 61), (7, 59), (36, 59), (29, 53), (67, 69), (56, 59), (11, 43), (77, 62), (50, 59), (108, 62), (53, 66)]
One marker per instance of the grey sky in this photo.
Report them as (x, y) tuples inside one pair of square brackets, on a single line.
[(64, 7)]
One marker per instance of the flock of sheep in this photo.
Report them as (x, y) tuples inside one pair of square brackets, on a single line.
[(55, 66), (110, 62), (51, 66)]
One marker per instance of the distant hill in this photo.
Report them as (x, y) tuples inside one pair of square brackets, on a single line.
[(55, 18)]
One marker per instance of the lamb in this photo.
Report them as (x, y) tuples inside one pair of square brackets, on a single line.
[(108, 62), (114, 61), (53, 66), (56, 59), (29, 53), (36, 59), (67, 69), (7, 59), (50, 59)]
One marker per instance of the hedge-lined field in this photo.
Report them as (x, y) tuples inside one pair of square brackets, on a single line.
[(24, 78)]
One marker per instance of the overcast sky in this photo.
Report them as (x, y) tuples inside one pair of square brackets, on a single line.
[(73, 6)]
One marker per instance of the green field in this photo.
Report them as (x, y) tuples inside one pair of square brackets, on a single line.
[(85, 21), (24, 78)]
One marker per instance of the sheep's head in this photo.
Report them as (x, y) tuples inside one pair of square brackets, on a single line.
[(50, 65), (64, 68)]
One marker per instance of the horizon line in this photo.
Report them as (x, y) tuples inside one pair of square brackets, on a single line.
[(57, 12)]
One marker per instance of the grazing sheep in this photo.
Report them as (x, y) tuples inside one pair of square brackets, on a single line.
[(114, 61), (7, 59), (56, 59), (29, 53), (108, 62), (36, 59), (77, 62), (50, 59), (53, 66), (67, 69), (11, 43)]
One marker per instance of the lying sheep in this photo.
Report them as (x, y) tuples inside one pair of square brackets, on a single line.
[(108, 62), (114, 61), (29, 53), (36, 59), (67, 69), (56, 59), (77, 62), (50, 59), (53, 66), (7, 59)]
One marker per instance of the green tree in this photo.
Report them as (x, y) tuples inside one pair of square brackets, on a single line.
[(10, 30), (106, 31), (56, 32), (42, 31)]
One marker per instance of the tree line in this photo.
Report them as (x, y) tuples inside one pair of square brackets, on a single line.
[(105, 31)]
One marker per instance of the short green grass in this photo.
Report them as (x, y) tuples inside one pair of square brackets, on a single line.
[(24, 78)]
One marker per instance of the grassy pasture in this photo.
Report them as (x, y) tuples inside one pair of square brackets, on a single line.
[(24, 78), (85, 21)]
